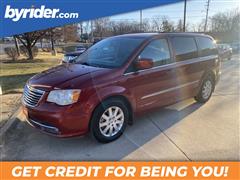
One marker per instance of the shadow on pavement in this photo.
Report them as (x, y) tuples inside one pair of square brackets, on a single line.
[(22, 142)]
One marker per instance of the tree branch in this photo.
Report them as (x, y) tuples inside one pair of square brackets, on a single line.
[(24, 44)]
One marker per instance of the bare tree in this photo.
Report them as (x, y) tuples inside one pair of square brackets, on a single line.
[(104, 27), (125, 27), (156, 24), (179, 27), (16, 45), (167, 26), (29, 40), (53, 34), (70, 33), (101, 27), (146, 27), (199, 27), (162, 24), (225, 22), (86, 26)]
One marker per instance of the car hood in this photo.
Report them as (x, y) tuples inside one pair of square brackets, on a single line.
[(55, 76)]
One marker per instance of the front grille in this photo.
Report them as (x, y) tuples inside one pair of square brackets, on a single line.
[(32, 96)]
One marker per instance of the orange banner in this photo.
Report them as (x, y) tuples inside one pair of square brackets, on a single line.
[(120, 170)]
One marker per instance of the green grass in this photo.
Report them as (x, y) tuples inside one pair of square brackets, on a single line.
[(15, 74)]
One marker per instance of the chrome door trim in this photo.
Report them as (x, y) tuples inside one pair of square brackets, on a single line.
[(180, 63), (168, 90)]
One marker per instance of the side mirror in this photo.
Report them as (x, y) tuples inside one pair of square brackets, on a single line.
[(144, 64)]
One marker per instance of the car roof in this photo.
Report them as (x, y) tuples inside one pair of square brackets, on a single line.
[(152, 35)]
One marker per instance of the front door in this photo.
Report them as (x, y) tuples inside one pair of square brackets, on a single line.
[(152, 87)]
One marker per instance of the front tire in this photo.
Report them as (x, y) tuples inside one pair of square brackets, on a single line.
[(206, 89), (109, 120)]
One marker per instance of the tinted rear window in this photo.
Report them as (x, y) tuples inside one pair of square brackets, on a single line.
[(185, 48), (206, 46)]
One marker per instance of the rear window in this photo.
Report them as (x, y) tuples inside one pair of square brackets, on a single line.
[(206, 46), (185, 48)]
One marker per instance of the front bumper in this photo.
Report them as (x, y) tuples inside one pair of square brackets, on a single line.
[(58, 121), (44, 127)]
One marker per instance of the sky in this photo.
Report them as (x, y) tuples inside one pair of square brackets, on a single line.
[(196, 11)]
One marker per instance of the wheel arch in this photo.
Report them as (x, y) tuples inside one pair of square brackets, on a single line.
[(124, 99), (209, 72)]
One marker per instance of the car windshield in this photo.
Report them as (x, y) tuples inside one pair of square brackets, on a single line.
[(110, 53)]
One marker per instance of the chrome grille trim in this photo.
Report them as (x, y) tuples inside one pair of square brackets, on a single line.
[(32, 96)]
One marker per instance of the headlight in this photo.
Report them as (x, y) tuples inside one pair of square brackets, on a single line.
[(64, 97)]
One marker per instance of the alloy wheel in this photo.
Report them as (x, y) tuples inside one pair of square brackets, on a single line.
[(207, 89), (111, 121)]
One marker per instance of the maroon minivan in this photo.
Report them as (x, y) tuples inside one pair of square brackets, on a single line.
[(118, 78)]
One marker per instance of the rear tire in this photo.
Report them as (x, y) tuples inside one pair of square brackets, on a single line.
[(206, 89), (109, 120)]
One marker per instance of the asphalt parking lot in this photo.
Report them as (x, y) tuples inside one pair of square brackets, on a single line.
[(186, 131)]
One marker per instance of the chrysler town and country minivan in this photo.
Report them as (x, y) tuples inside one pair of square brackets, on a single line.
[(118, 78)]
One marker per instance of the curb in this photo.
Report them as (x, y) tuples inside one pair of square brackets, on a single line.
[(10, 122)]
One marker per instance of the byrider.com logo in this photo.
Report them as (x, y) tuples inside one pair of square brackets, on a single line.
[(16, 14)]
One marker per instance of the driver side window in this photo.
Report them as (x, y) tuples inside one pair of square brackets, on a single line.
[(158, 51)]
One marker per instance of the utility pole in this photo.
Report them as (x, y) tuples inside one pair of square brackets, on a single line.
[(184, 18), (140, 21), (206, 20)]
